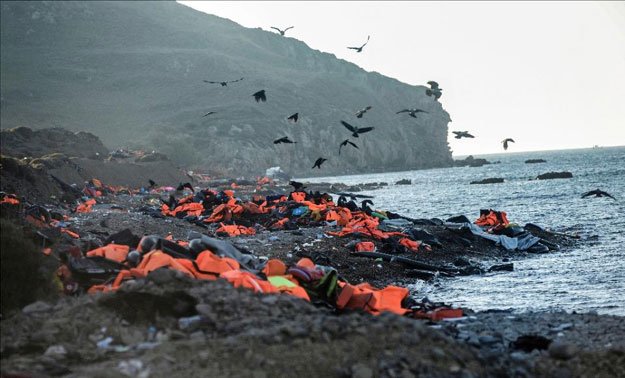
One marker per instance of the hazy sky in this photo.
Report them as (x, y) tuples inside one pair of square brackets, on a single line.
[(551, 75)]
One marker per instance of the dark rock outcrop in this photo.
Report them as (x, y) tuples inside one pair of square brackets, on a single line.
[(535, 161), (470, 161), (132, 74), (491, 180), (404, 182), (24, 142), (554, 175)]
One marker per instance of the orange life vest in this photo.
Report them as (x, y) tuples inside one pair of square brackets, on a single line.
[(366, 297), (115, 252)]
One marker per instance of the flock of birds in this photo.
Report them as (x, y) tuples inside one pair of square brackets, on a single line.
[(434, 91), (261, 96)]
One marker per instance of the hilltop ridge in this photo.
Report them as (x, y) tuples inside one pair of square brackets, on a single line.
[(132, 75)]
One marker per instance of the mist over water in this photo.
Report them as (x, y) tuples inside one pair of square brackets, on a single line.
[(590, 276)]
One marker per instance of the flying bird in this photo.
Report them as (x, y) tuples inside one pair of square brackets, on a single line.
[(181, 186), (282, 31), (345, 143), (359, 49), (356, 130), (462, 134), (318, 163), (412, 112), (297, 185), (294, 117), (260, 96), (283, 140), (152, 183), (361, 112), (209, 113), (434, 90), (505, 142), (223, 83), (597, 193)]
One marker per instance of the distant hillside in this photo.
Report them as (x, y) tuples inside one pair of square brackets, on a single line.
[(131, 73)]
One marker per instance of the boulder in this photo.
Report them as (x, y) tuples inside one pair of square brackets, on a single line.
[(535, 161), (554, 175), (491, 180), (404, 182)]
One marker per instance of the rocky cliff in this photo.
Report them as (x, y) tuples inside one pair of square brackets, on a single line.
[(131, 73)]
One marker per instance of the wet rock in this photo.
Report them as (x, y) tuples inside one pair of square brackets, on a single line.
[(36, 307), (471, 162), (404, 182), (488, 340), (519, 356), (508, 267), (562, 351), (491, 180), (535, 161), (554, 175)]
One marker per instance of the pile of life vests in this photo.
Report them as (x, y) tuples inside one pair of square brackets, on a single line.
[(305, 279), (279, 212)]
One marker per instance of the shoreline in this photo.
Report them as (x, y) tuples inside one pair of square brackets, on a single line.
[(478, 344)]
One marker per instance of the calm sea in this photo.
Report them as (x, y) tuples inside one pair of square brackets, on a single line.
[(590, 276)]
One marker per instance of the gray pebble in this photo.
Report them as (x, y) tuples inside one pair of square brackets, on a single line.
[(35, 307), (561, 350), (361, 370)]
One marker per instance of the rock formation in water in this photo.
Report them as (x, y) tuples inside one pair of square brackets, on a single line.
[(133, 73), (554, 175)]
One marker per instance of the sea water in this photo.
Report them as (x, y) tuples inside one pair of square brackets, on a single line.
[(587, 277)]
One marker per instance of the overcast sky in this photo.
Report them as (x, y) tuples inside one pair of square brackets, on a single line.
[(551, 75)]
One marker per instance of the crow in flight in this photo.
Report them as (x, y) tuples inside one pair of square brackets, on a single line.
[(181, 186), (412, 112), (223, 83), (505, 142), (282, 31), (356, 130), (359, 49), (297, 185), (260, 96), (462, 134), (294, 117), (152, 183), (597, 193), (283, 140), (209, 113), (345, 143), (434, 90), (361, 112), (318, 163)]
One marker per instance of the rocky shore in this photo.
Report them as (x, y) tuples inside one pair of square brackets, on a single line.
[(168, 324), (246, 334)]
